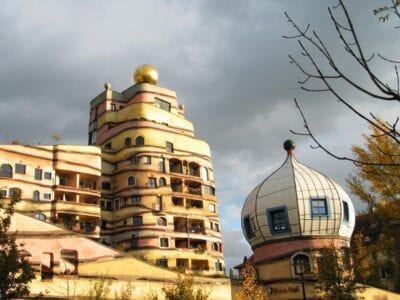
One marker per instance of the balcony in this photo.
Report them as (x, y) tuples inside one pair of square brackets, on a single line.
[(77, 208)]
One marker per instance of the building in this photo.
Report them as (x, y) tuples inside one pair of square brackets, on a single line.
[(158, 192), (287, 219), (58, 183)]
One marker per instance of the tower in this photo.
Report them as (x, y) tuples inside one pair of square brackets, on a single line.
[(157, 192), (288, 218)]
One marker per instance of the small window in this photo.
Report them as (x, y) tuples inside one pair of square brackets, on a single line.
[(162, 262), (346, 213), (137, 199), (218, 266), (161, 221), (152, 183), (113, 107), (131, 180), (47, 196), (248, 228), (14, 193), (135, 160), (216, 227), (128, 142), (301, 264), (139, 141), (209, 190), (162, 104), (40, 216), (36, 196), (319, 207), (169, 147), (20, 168), (162, 181), (134, 242), (38, 174), (204, 173), (3, 194), (108, 145), (161, 164), (147, 160), (105, 185), (164, 242), (6, 171), (92, 137), (278, 220), (137, 221), (211, 207), (47, 175)]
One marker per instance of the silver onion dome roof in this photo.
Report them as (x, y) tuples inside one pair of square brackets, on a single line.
[(296, 201)]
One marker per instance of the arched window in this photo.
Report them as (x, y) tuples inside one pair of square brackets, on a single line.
[(139, 140), (128, 141), (161, 221), (6, 171), (131, 180), (162, 181), (40, 216), (36, 196), (301, 263)]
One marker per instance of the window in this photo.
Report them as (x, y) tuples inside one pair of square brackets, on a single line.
[(278, 220), (113, 107), (209, 190), (135, 160), (137, 199), (14, 192), (128, 141), (152, 183), (6, 171), (38, 174), (40, 216), (214, 246), (20, 168), (137, 221), (161, 164), (36, 196), (319, 207), (108, 145), (204, 173), (105, 185), (216, 227), (162, 104), (92, 137), (162, 181), (147, 160), (139, 141), (162, 262), (47, 196), (164, 242), (346, 213), (218, 266), (301, 264), (161, 221), (47, 175), (134, 242), (3, 194), (248, 228), (169, 146), (211, 207), (131, 180)]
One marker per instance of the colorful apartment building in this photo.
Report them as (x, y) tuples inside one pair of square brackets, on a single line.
[(157, 186)]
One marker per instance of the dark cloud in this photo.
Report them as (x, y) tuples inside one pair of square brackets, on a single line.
[(226, 60)]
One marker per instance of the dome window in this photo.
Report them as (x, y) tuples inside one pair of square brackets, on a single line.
[(346, 212), (248, 228), (319, 207), (278, 220)]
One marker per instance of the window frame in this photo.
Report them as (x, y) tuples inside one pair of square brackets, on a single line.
[(131, 181), (47, 175), (38, 174), (271, 223), (169, 147), (162, 104), (139, 217), (139, 140), (6, 170), (36, 196), (18, 167), (317, 200), (164, 239), (152, 182), (248, 228), (346, 212)]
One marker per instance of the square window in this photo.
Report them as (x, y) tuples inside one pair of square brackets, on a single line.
[(162, 104), (137, 221), (136, 199), (135, 160), (3, 193), (105, 185), (113, 107), (164, 242), (211, 207), (38, 174), (147, 160), (20, 168), (47, 175), (152, 183), (319, 207), (47, 196), (278, 220)]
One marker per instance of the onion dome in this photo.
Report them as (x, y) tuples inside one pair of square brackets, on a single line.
[(146, 73), (296, 201)]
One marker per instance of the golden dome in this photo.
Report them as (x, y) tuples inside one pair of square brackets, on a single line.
[(145, 73)]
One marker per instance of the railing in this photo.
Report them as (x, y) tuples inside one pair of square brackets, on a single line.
[(194, 191)]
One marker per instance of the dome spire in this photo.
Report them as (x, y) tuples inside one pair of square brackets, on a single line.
[(289, 146)]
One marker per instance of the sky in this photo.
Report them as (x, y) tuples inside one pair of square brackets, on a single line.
[(227, 61)]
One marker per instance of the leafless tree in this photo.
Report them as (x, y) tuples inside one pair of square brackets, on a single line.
[(319, 65)]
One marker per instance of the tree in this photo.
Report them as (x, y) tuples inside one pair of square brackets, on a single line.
[(321, 68), (360, 259), (335, 274), (184, 289), (249, 290), (15, 270)]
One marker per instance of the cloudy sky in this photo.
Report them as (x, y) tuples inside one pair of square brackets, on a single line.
[(226, 60)]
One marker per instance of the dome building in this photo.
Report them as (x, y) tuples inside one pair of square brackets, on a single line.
[(288, 218)]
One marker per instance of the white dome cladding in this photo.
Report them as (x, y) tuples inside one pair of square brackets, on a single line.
[(297, 201)]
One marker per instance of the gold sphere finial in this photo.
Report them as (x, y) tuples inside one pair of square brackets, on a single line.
[(146, 73)]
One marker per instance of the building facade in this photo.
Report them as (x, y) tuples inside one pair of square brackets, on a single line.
[(157, 186), (57, 183)]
